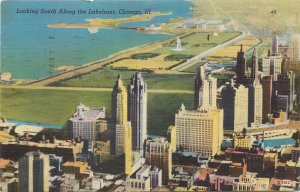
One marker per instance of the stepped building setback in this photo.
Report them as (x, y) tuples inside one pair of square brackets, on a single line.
[(123, 134), (137, 112)]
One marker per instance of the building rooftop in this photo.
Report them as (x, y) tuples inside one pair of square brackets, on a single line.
[(28, 129), (3, 163), (75, 164), (84, 113)]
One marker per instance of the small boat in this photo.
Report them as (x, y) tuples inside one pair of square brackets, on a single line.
[(51, 37), (88, 0)]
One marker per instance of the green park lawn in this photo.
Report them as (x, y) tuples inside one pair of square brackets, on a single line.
[(197, 43), (106, 79), (56, 106), (193, 68)]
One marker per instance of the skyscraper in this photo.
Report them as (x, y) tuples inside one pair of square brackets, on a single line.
[(34, 172), (84, 123), (274, 45), (255, 105), (205, 93), (267, 85), (158, 154), (137, 113), (123, 135), (255, 95), (241, 66), (272, 66), (285, 85), (295, 52), (254, 68), (234, 102), (199, 130)]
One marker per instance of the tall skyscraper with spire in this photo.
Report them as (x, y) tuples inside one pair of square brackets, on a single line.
[(137, 113), (241, 67), (254, 68), (123, 135), (205, 92), (255, 95)]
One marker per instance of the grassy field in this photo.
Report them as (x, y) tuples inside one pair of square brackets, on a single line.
[(55, 106), (231, 51), (158, 62), (194, 67), (197, 43), (106, 79)]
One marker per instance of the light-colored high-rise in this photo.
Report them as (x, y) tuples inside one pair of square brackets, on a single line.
[(205, 94), (137, 113), (295, 52), (235, 105), (255, 98), (171, 135), (199, 130), (274, 45), (123, 135), (34, 172), (86, 123), (272, 66), (255, 104)]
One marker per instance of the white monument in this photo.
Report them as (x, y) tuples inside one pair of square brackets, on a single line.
[(178, 45)]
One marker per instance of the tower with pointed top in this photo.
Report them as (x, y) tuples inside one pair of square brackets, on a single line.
[(123, 135), (241, 66), (205, 92), (119, 102), (137, 113), (255, 99), (254, 69)]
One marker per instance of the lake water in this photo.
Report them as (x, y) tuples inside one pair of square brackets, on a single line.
[(17, 122), (31, 50)]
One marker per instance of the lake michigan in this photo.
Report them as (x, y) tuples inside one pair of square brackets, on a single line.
[(31, 50)]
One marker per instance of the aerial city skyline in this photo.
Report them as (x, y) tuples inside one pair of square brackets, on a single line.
[(244, 103), (197, 96)]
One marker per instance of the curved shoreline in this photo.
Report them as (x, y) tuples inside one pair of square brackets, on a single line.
[(109, 23), (96, 65)]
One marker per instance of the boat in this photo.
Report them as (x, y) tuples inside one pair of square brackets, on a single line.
[(88, 0)]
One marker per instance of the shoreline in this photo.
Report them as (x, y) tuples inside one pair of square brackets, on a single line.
[(109, 23), (98, 64)]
